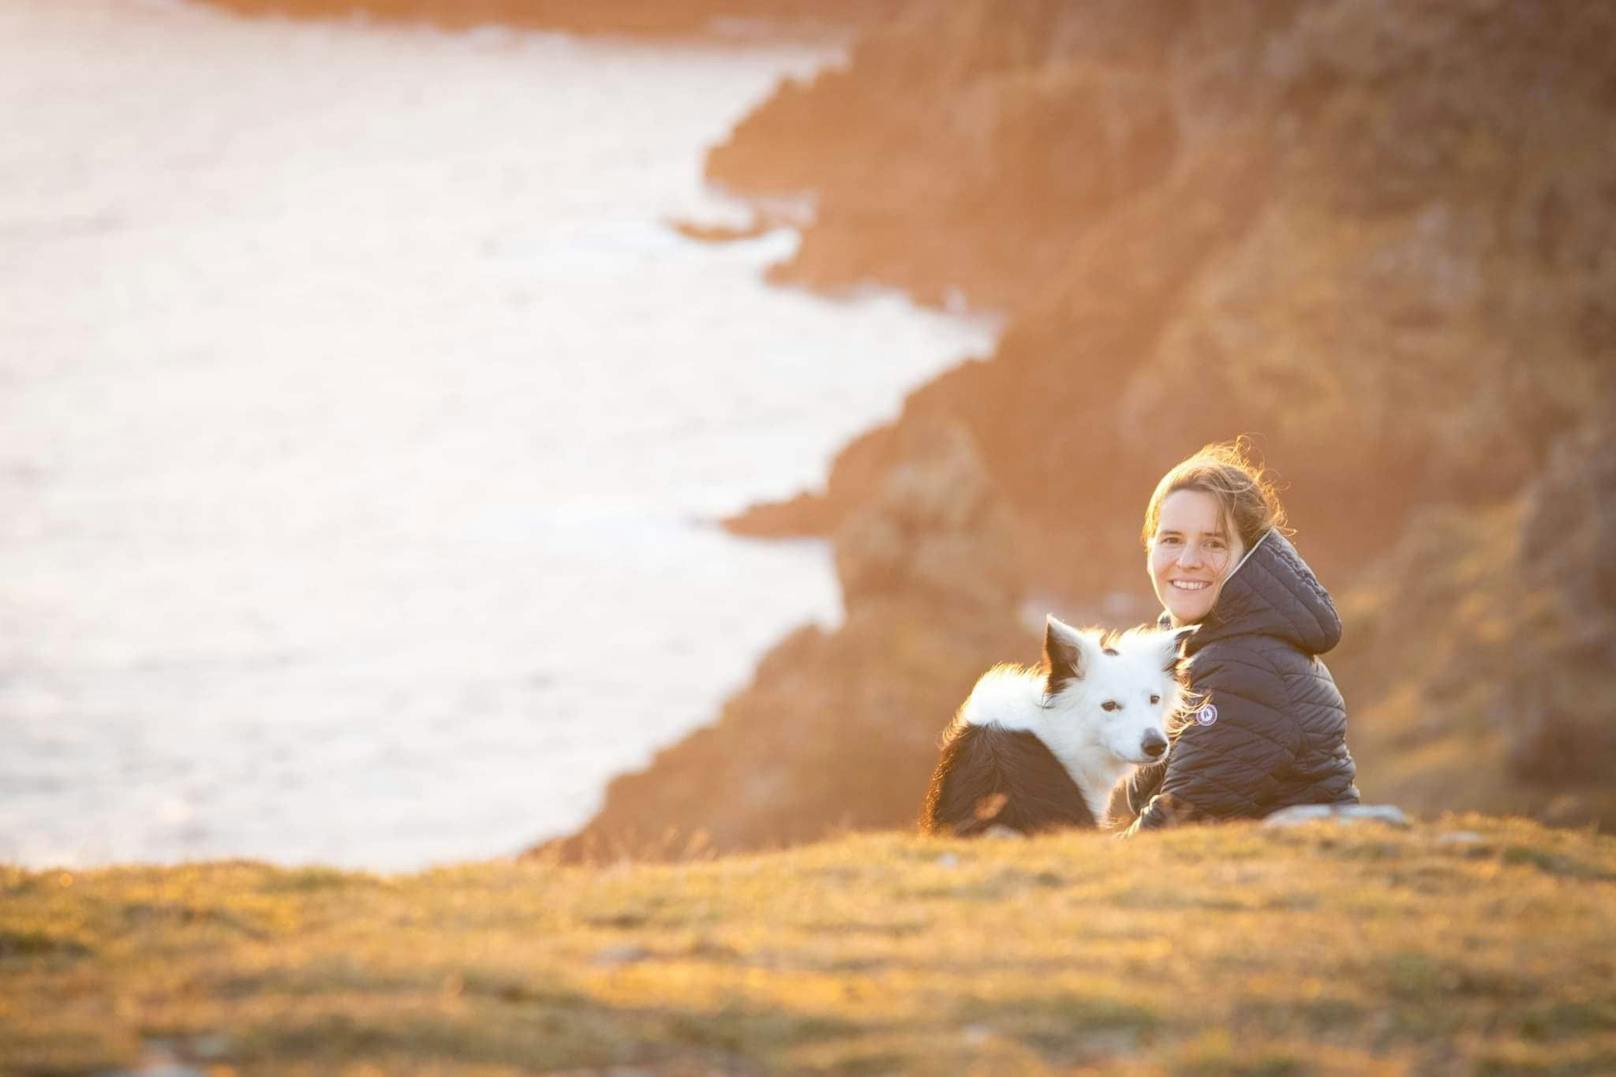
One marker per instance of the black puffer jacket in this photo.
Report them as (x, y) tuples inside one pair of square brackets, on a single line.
[(1273, 731)]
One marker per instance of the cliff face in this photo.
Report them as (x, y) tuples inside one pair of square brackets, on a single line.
[(1483, 647), (1380, 237), (839, 729)]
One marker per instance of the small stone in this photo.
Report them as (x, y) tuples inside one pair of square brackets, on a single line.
[(948, 860), (1298, 814), (1459, 837), (613, 956), (1390, 814), (159, 1059)]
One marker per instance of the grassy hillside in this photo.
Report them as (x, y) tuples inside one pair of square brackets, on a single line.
[(1471, 944)]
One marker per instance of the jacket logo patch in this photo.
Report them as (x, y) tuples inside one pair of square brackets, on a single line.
[(1206, 715)]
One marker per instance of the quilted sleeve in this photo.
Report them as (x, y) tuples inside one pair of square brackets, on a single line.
[(1132, 793), (1231, 761)]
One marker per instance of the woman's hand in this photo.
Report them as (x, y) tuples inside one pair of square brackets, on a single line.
[(1131, 794)]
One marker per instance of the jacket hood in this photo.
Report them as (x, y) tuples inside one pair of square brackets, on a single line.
[(1272, 592)]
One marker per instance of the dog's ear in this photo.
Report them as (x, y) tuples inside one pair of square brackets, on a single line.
[(1171, 642), (1063, 655)]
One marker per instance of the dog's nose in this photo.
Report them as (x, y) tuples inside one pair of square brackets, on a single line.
[(1155, 744)]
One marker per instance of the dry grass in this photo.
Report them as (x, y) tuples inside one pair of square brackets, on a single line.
[(1468, 944)]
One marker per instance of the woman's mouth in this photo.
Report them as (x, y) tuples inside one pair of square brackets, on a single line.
[(1190, 585)]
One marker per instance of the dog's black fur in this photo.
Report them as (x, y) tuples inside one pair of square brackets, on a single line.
[(989, 776)]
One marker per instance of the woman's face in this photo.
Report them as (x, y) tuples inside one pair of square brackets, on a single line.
[(1191, 554)]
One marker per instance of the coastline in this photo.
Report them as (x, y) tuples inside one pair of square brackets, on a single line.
[(1470, 558), (1342, 231), (329, 478), (1136, 196)]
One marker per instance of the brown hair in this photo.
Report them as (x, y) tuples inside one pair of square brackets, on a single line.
[(1227, 471)]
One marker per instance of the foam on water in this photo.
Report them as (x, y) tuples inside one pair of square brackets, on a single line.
[(358, 413)]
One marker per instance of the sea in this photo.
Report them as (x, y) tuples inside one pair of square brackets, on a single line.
[(365, 422)]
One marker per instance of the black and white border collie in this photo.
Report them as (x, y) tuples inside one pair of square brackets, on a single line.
[(1038, 748)]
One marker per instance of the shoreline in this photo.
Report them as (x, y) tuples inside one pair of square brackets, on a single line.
[(1340, 230), (1194, 235), (392, 634)]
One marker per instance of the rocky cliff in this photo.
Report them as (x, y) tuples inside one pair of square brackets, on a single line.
[(1381, 238), (838, 730)]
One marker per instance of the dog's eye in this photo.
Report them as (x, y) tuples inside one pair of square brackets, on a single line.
[(1155, 699), (1109, 705)]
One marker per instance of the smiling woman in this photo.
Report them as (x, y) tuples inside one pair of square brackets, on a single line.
[(1271, 728), (1204, 516), (1190, 553)]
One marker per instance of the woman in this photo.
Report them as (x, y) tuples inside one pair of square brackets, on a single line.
[(1270, 728)]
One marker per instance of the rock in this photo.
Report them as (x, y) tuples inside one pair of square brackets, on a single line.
[(1300, 814), (160, 1058), (703, 232), (1003, 832), (1569, 527), (936, 530), (804, 515), (614, 956)]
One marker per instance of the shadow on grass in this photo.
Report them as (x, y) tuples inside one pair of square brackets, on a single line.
[(1065, 1028), (35, 943), (498, 1020)]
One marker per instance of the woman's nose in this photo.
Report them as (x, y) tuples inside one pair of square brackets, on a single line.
[(1190, 555)]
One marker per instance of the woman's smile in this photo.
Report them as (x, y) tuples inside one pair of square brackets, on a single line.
[(1190, 554)]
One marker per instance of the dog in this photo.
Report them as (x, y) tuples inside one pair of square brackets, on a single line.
[(1034, 749)]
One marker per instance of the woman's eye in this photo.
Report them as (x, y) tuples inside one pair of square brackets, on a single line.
[(1155, 699), (1109, 705)]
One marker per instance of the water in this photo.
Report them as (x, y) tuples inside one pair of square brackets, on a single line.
[(360, 419)]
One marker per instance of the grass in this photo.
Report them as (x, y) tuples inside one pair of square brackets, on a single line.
[(1470, 944)]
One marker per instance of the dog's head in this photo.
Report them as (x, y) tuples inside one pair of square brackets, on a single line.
[(1122, 686)]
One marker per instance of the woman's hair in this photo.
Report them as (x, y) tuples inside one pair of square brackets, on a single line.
[(1227, 471)]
